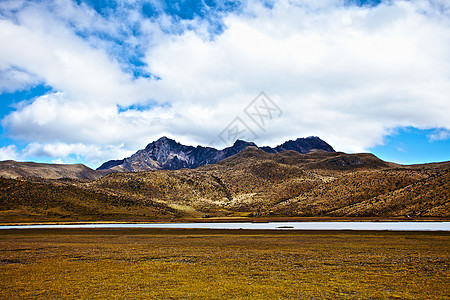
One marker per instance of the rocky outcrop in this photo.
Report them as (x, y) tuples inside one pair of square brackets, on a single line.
[(168, 154)]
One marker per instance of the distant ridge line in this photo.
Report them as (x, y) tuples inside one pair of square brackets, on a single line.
[(168, 154)]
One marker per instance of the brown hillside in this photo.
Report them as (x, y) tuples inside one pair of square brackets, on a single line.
[(427, 197), (283, 184), (251, 182), (45, 200), (328, 197), (14, 169)]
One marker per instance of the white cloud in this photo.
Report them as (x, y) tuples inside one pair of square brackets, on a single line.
[(345, 73), (53, 117), (63, 152), (9, 153), (13, 79), (440, 135), (44, 45), (348, 74)]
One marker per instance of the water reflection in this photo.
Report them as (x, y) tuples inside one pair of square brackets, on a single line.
[(401, 226)]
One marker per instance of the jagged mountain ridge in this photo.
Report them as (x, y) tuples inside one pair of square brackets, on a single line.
[(167, 154), (249, 183), (319, 183)]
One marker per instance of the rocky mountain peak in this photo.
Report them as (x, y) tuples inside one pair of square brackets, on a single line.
[(162, 142), (168, 154), (243, 144)]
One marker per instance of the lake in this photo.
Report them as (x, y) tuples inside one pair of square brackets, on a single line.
[(396, 226)]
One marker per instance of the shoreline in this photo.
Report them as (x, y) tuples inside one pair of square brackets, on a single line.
[(232, 220), (271, 226)]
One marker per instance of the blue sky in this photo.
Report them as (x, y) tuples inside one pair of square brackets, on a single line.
[(410, 145), (88, 81)]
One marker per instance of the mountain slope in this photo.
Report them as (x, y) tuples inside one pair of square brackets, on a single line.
[(327, 198), (279, 184), (168, 154), (50, 200), (427, 197), (250, 183), (13, 169)]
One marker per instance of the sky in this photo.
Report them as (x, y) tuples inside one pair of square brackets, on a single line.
[(87, 81)]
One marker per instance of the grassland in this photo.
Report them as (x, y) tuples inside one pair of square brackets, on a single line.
[(223, 264)]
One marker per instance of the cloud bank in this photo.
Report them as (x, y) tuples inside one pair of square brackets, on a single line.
[(348, 73)]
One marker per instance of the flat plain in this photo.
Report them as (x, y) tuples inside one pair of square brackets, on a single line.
[(223, 264)]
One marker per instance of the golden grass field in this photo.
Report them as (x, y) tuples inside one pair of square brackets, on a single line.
[(223, 264)]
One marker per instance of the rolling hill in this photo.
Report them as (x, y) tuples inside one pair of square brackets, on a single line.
[(252, 182), (14, 169), (288, 183), (40, 200)]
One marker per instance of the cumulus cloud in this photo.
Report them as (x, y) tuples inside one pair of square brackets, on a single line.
[(63, 152), (439, 135), (14, 79), (349, 74), (52, 117), (8, 153), (41, 44)]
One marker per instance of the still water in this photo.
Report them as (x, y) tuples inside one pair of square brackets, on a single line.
[(401, 226)]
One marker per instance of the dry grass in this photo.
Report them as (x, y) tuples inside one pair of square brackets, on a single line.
[(14, 169), (215, 264), (251, 183), (45, 200)]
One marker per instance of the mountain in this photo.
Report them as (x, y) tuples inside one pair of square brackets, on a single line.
[(167, 154), (250, 183), (39, 200), (14, 169), (427, 197), (319, 183), (301, 145)]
